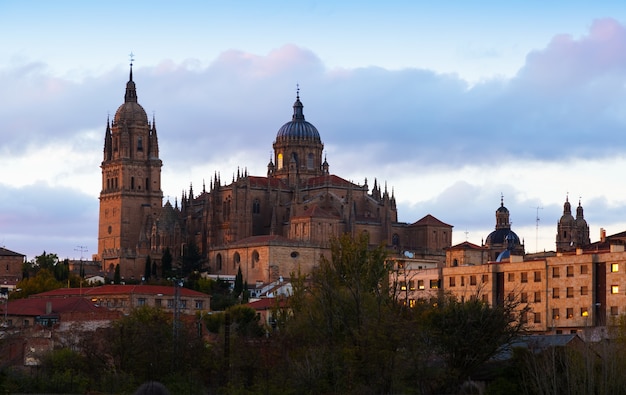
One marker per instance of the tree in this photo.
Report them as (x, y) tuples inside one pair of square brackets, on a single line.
[(117, 277), (466, 334), (238, 287), (42, 282), (148, 269), (166, 263)]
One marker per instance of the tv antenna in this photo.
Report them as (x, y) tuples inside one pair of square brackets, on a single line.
[(537, 228), (81, 249)]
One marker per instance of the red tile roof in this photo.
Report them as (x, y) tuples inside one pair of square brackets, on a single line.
[(119, 289), (431, 221)]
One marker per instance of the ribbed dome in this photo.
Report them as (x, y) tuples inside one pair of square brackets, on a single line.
[(298, 128), (131, 112), (502, 236)]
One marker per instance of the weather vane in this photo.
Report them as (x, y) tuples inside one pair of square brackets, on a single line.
[(132, 58)]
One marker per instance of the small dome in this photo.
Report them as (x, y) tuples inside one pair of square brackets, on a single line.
[(502, 236), (131, 112), (298, 128)]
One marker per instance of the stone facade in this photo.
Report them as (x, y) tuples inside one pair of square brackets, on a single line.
[(269, 225), (11, 264)]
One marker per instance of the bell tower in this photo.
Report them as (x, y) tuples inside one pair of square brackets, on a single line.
[(131, 196)]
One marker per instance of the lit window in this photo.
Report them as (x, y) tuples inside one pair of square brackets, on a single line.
[(614, 289), (614, 267), (584, 312), (420, 284), (403, 285), (434, 284), (570, 312), (555, 314)]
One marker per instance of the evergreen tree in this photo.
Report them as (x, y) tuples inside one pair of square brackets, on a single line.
[(166, 263), (117, 277), (148, 269), (238, 288)]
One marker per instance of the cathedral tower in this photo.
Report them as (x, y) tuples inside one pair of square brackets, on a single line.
[(297, 149), (131, 195), (572, 232)]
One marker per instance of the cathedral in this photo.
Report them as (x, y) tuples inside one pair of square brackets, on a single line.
[(268, 226)]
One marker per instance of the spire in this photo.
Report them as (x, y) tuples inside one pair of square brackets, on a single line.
[(131, 91), (579, 211), (567, 207), (108, 142), (298, 114)]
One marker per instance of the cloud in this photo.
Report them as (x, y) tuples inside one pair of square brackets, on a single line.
[(447, 147)]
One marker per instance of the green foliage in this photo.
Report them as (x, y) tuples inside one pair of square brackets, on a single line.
[(166, 263), (43, 281), (245, 321), (147, 269), (238, 288), (117, 277), (191, 259)]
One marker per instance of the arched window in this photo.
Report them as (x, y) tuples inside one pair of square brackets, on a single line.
[(139, 144), (132, 183), (236, 259), (309, 161), (218, 262), (256, 206), (280, 161), (255, 258)]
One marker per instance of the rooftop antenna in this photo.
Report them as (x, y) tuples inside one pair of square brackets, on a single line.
[(537, 228), (81, 249)]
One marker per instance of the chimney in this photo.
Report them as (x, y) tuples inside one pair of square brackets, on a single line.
[(48, 307), (602, 235)]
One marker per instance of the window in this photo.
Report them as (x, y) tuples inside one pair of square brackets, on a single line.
[(584, 312), (411, 302), (524, 276), (199, 304), (537, 277), (412, 285), (511, 277), (452, 281), (570, 271), (537, 318), (139, 144), (256, 206), (434, 284), (462, 281), (280, 161), (141, 301), (485, 278), (614, 310), (584, 290), (555, 293), (236, 260), (218, 262), (555, 272), (555, 314), (570, 292), (170, 303), (583, 269), (614, 267), (420, 284), (403, 285), (614, 289), (472, 280), (183, 304), (485, 298), (309, 161), (511, 296), (524, 297), (537, 297), (158, 302), (570, 312)]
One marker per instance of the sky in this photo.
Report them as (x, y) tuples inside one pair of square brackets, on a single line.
[(452, 105)]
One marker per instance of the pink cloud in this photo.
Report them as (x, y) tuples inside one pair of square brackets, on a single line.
[(567, 61)]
